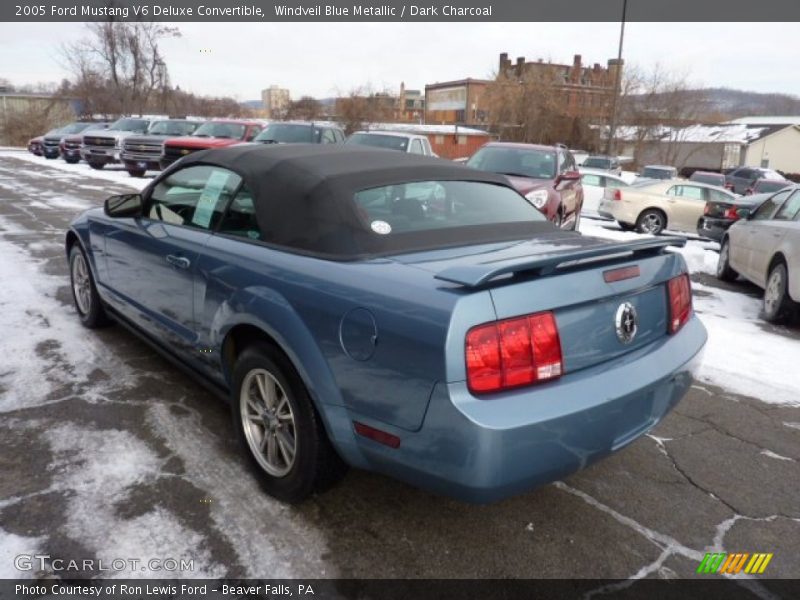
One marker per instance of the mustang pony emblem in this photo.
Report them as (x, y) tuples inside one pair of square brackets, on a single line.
[(626, 322)]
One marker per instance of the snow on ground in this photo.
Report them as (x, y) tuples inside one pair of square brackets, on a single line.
[(99, 469), (44, 347), (12, 546), (113, 173), (742, 354)]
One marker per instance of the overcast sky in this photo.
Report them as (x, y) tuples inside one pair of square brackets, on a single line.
[(323, 59)]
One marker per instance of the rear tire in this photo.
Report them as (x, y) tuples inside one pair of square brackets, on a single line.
[(278, 427), (84, 292), (72, 161), (777, 304), (724, 270), (651, 221), (97, 165), (136, 173)]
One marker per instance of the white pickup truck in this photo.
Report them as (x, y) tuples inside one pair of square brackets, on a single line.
[(393, 140)]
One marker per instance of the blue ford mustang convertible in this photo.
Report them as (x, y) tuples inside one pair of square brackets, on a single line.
[(391, 312)]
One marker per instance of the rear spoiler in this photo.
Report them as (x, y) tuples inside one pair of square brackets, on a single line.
[(544, 264)]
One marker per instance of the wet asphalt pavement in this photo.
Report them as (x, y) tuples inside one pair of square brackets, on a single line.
[(108, 451)]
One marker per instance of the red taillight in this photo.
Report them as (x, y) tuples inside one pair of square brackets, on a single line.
[(730, 213), (617, 194), (513, 352), (680, 302)]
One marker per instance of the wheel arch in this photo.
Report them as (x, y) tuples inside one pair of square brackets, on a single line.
[(657, 209)]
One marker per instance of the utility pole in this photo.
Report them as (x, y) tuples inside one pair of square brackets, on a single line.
[(612, 128)]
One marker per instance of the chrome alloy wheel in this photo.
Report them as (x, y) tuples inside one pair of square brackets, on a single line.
[(773, 295), (268, 422), (81, 284), (651, 223)]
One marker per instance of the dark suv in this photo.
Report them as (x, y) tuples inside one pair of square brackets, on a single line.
[(300, 133), (546, 175), (740, 179)]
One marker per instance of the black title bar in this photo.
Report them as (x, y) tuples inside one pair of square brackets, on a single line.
[(402, 10)]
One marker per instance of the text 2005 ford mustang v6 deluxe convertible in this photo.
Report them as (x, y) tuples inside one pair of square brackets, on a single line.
[(391, 312)]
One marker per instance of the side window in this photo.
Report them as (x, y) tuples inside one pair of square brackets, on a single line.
[(194, 196), (689, 191), (717, 196), (328, 137), (427, 145), (416, 147), (790, 208), (590, 179), (770, 206), (240, 218), (339, 135), (254, 131)]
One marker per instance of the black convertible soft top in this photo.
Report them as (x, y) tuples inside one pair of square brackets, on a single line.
[(304, 194)]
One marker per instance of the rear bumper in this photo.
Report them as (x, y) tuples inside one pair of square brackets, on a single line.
[(713, 228), (483, 450)]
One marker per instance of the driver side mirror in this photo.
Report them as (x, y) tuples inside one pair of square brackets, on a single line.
[(123, 206), (568, 176)]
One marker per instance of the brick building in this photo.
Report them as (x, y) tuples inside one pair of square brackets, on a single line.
[(588, 91), (452, 102)]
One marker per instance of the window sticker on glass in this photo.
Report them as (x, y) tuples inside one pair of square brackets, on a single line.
[(381, 227), (209, 198)]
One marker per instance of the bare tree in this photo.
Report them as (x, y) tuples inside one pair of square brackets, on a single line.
[(304, 109), (124, 58), (362, 106)]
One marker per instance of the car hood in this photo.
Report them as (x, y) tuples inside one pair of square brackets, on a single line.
[(147, 139), (105, 133), (526, 184), (192, 141)]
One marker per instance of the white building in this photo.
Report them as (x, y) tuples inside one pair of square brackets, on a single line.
[(276, 101)]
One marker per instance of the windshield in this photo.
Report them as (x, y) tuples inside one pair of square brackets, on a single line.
[(75, 128), (534, 163), (594, 162), (288, 133), (176, 128), (656, 173), (233, 131), (135, 125), (433, 205), (393, 142)]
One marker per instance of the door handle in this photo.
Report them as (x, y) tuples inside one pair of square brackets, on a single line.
[(179, 261)]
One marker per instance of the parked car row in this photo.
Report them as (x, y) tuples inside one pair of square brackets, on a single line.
[(763, 246)]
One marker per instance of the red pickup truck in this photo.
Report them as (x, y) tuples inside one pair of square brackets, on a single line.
[(213, 134)]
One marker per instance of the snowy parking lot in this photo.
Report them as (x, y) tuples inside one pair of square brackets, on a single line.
[(106, 451)]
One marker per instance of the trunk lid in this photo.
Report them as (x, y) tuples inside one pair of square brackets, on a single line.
[(573, 276)]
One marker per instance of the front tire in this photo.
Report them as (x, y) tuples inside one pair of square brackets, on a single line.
[(136, 172), (84, 292), (724, 270), (651, 221), (97, 165), (777, 304), (72, 161), (279, 428)]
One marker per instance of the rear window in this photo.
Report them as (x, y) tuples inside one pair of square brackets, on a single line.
[(710, 178), (765, 186), (233, 131), (393, 142), (436, 205), (657, 173), (597, 163)]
